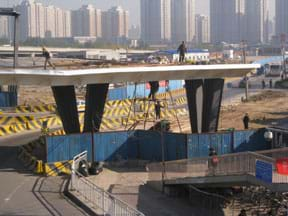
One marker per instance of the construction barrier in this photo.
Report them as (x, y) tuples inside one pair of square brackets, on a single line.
[(8, 120), (58, 168), (37, 108)]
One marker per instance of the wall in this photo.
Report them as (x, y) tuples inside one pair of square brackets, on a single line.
[(147, 145), (8, 99), (141, 91)]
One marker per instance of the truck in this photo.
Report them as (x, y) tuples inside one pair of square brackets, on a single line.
[(274, 70)]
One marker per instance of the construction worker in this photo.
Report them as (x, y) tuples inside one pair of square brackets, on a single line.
[(158, 107), (47, 56), (246, 120), (154, 87), (182, 50)]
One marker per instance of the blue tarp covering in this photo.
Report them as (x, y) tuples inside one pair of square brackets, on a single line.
[(147, 145)]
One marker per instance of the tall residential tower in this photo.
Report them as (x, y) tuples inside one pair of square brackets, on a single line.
[(183, 20), (155, 21), (281, 17)]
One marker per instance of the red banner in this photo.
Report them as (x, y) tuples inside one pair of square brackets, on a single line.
[(282, 166)]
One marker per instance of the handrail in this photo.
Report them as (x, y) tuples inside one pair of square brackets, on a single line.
[(227, 165), (105, 201)]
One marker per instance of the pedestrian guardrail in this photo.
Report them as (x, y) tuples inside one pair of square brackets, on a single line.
[(99, 198), (227, 165)]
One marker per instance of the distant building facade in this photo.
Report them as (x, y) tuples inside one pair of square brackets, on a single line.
[(4, 27), (39, 21), (256, 14), (183, 20), (86, 22), (202, 29), (281, 17), (134, 32), (115, 24), (155, 21), (226, 20)]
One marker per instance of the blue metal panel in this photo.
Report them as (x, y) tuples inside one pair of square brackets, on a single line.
[(111, 146), (175, 146), (60, 148), (249, 140), (226, 143), (149, 145), (193, 145), (204, 143), (117, 93), (8, 99)]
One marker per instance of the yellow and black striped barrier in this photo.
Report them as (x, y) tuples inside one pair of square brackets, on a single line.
[(8, 120), (58, 168), (36, 109)]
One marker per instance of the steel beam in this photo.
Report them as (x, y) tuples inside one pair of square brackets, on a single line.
[(212, 97), (94, 106), (67, 108), (194, 91)]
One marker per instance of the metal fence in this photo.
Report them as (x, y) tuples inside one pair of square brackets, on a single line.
[(101, 200), (227, 165)]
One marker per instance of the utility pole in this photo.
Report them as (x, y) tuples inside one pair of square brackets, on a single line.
[(283, 41), (243, 45)]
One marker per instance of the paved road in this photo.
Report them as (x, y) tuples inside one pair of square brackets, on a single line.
[(22, 193)]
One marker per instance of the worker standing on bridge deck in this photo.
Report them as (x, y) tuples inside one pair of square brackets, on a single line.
[(182, 50), (47, 56)]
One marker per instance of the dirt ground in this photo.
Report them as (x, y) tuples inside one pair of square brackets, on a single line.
[(266, 108)]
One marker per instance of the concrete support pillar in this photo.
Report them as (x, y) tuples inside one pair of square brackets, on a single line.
[(194, 91), (67, 108), (96, 95), (204, 102), (212, 94)]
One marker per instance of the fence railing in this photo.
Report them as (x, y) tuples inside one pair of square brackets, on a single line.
[(227, 165), (101, 200)]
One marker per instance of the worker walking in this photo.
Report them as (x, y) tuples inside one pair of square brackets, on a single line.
[(263, 84), (246, 120), (271, 83), (182, 50), (47, 56), (158, 107)]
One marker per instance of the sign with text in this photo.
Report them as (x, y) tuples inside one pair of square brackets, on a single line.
[(264, 171)]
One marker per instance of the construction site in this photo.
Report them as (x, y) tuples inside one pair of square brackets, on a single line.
[(139, 132), (146, 151)]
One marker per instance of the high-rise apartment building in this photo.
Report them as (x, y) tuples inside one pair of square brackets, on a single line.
[(39, 21), (183, 20), (4, 27), (226, 20), (281, 16), (256, 16), (202, 29), (86, 22), (115, 24), (155, 20)]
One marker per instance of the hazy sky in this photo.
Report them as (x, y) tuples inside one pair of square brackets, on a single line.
[(202, 6)]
